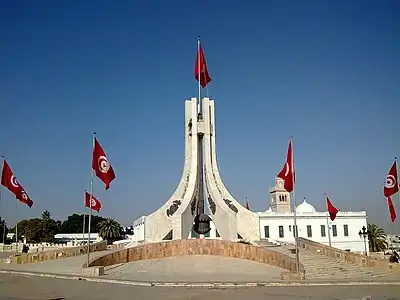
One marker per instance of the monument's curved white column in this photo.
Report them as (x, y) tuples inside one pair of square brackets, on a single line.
[(229, 216), (174, 220)]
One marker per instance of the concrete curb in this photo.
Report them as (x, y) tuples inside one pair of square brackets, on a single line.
[(197, 285)]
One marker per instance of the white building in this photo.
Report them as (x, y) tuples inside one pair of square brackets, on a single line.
[(277, 224), (75, 239)]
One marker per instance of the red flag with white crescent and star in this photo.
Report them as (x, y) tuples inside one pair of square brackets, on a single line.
[(101, 166), (392, 183), (287, 173), (96, 204), (331, 209), (200, 68), (392, 210), (9, 181)]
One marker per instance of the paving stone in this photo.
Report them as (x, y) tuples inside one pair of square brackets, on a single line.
[(196, 268), (22, 287)]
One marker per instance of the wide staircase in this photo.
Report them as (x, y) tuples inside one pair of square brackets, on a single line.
[(320, 267)]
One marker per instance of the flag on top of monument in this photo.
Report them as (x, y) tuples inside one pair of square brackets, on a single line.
[(101, 166), (392, 184), (200, 68), (331, 209), (392, 210), (9, 181), (247, 205), (96, 204), (287, 173)]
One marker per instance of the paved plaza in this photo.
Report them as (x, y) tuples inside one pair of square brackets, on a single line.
[(6, 254), (38, 288), (196, 268), (66, 266)]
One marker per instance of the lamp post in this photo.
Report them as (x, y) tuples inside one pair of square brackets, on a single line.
[(364, 233)]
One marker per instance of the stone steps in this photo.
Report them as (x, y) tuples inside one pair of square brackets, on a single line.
[(322, 267)]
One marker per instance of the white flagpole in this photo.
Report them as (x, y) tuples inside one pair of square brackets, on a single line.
[(327, 221), (296, 231), (199, 74), (16, 227), (90, 208)]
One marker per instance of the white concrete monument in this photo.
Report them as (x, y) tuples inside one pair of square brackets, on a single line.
[(201, 182)]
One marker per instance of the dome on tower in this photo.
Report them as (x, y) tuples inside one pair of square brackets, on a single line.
[(305, 207)]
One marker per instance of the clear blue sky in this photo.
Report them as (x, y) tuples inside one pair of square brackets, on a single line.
[(326, 72)]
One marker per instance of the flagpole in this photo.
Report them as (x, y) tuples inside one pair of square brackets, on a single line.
[(397, 173), (327, 222), (389, 217), (296, 232), (1, 208), (199, 74), (84, 221), (16, 228), (90, 208)]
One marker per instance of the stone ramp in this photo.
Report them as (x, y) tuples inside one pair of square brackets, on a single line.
[(320, 267)]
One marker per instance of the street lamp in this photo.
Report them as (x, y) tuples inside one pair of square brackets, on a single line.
[(364, 233)]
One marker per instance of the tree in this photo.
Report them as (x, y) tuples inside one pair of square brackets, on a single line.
[(38, 230), (74, 224), (110, 229), (377, 238), (3, 230), (46, 216), (31, 229)]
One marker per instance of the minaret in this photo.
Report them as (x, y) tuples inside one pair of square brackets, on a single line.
[(280, 198)]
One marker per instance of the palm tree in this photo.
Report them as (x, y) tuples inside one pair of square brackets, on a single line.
[(377, 238), (46, 216), (109, 229)]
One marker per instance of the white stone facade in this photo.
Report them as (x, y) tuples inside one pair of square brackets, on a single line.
[(174, 219), (314, 226), (229, 216)]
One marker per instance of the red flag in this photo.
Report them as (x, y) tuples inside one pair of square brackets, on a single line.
[(287, 173), (9, 181), (331, 209), (200, 69), (392, 210), (101, 166), (96, 204), (392, 184), (247, 205)]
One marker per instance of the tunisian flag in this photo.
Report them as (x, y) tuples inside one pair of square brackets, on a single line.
[(331, 209), (392, 183), (101, 166), (96, 204), (392, 210), (200, 68), (287, 173), (9, 181)]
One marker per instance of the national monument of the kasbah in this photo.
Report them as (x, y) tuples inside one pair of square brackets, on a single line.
[(201, 184)]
